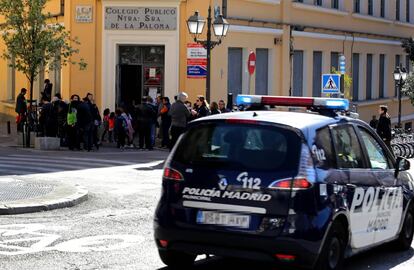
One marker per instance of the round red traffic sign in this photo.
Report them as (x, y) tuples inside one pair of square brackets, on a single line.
[(252, 63)]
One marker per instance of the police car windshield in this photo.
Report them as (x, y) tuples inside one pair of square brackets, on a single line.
[(240, 146)]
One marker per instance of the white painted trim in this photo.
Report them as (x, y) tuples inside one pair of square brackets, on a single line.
[(111, 39), (319, 9), (405, 24), (255, 30), (224, 207), (371, 18), (268, 2), (342, 38)]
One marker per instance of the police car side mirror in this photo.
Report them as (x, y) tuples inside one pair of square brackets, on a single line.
[(402, 165)]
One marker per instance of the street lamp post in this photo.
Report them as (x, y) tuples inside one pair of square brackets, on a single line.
[(400, 75), (220, 26)]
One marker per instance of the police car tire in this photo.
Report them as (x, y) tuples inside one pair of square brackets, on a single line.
[(336, 239), (406, 235), (176, 259)]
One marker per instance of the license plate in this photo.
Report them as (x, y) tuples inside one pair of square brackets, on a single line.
[(223, 219)]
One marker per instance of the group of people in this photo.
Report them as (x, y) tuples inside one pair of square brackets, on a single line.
[(79, 123)]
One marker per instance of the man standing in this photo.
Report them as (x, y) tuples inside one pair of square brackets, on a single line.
[(384, 125), (145, 117), (85, 123), (222, 107), (374, 122), (47, 90), (179, 116), (21, 109)]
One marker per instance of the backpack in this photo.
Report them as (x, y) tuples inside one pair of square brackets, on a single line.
[(71, 119)]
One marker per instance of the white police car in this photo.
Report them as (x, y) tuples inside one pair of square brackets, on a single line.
[(305, 189)]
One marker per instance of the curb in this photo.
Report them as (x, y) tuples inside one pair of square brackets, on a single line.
[(79, 195)]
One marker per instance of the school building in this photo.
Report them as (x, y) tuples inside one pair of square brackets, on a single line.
[(135, 48)]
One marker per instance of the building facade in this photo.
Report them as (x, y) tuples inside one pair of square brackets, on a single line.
[(136, 48)]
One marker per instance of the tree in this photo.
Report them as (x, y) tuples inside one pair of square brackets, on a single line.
[(347, 83), (33, 40)]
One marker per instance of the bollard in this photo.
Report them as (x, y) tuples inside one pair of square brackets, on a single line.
[(8, 128)]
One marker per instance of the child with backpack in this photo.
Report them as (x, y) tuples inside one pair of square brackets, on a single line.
[(106, 114), (121, 129)]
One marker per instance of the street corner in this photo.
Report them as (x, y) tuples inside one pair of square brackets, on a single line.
[(19, 196)]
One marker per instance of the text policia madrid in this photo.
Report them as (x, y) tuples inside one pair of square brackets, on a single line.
[(207, 194), (377, 206)]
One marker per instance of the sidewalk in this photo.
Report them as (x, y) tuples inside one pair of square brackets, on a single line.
[(19, 196)]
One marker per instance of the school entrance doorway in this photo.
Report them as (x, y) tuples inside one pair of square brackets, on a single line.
[(140, 72)]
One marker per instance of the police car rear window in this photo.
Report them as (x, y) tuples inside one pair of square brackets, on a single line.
[(240, 146)]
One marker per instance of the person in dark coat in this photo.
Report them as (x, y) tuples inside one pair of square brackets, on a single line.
[(47, 90), (374, 122), (120, 128), (145, 118), (165, 121), (203, 109), (48, 119), (97, 119), (222, 107), (21, 109), (61, 109), (214, 108), (85, 123), (384, 125), (180, 114)]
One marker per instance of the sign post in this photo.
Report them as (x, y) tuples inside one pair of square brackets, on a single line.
[(342, 70), (251, 66), (331, 84)]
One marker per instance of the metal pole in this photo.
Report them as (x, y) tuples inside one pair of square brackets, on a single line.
[(400, 84), (8, 128), (208, 47)]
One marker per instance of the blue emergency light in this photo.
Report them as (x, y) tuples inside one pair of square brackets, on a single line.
[(338, 104)]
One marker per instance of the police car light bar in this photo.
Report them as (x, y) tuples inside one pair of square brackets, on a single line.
[(321, 103)]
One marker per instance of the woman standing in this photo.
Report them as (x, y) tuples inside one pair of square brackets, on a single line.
[(165, 121), (214, 108), (203, 109)]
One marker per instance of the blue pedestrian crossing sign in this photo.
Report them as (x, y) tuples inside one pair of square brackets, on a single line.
[(331, 83)]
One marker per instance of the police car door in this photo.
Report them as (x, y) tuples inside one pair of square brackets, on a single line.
[(362, 183), (386, 209)]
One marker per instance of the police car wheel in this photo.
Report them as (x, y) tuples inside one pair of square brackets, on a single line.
[(406, 235), (176, 259), (332, 255)]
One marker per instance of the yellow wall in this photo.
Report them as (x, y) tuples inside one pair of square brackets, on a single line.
[(275, 15)]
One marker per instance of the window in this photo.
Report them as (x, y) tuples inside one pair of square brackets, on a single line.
[(317, 74), (347, 148), (382, 76), (323, 142), (357, 6), (236, 146), (355, 76), (335, 4), (235, 71), (262, 71), (397, 9), (318, 2), (376, 153), (408, 64), (369, 77), (11, 80), (298, 73), (408, 11), (370, 7), (334, 61), (382, 9)]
